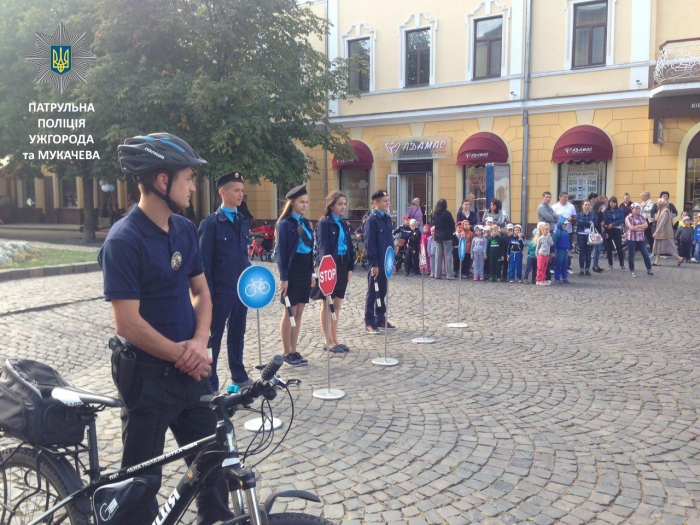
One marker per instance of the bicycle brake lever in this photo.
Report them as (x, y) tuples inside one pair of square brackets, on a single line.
[(290, 382)]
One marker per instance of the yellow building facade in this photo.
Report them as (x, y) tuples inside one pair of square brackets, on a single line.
[(459, 73)]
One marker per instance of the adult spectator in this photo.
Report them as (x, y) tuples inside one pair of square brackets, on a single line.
[(466, 213), (564, 208), (495, 213), (674, 212), (634, 233), (626, 204), (663, 236), (598, 206), (472, 205), (415, 212), (587, 221), (243, 209), (545, 213), (444, 228), (614, 219), (649, 211)]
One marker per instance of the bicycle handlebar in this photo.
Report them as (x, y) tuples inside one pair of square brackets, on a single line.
[(262, 387)]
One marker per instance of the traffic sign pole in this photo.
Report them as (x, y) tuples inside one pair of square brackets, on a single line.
[(462, 255), (327, 279), (422, 340), (388, 271)]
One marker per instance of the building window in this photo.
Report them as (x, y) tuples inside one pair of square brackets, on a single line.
[(488, 42), (418, 57), (359, 55), (580, 180), (354, 183), (29, 193), (69, 192), (590, 29)]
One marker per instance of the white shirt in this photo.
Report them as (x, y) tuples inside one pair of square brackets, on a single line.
[(567, 210)]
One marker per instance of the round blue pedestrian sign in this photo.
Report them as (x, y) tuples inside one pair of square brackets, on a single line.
[(462, 248), (389, 262), (256, 287)]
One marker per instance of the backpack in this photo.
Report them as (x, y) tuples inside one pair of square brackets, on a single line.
[(29, 413)]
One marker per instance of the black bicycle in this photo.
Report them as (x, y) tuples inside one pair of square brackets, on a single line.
[(42, 484)]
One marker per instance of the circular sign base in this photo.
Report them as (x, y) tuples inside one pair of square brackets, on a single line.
[(458, 325), (329, 394), (253, 425), (381, 361), (423, 340)]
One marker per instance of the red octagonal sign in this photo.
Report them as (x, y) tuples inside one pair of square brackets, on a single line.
[(327, 275)]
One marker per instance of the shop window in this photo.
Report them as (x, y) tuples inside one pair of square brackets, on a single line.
[(475, 182), (581, 179), (589, 34), (354, 183), (360, 67), (488, 42), (418, 58), (68, 190), (692, 187), (29, 193)]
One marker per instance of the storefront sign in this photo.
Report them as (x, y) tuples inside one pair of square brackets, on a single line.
[(410, 148), (581, 184), (674, 107)]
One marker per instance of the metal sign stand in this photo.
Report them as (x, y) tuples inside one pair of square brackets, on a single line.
[(389, 257), (422, 340), (328, 394), (462, 254)]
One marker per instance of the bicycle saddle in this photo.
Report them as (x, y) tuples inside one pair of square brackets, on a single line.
[(72, 396)]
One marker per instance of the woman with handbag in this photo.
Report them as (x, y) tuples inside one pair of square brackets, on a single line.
[(636, 240), (587, 236), (334, 239)]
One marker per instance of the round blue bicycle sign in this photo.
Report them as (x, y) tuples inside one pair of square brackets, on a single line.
[(389, 262), (256, 287), (462, 248)]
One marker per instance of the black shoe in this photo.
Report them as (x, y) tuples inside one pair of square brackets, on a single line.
[(580, 274), (301, 359), (388, 326), (588, 274), (292, 360)]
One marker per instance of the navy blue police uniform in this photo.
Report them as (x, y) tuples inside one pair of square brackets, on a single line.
[(329, 232), (223, 244), (141, 261), (378, 237)]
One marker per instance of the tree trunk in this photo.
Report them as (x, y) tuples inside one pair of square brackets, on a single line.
[(89, 226)]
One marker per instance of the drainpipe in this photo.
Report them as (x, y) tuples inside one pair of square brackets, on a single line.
[(526, 120), (325, 151)]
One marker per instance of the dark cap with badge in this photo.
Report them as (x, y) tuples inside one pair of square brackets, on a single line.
[(297, 192), (379, 194), (234, 176)]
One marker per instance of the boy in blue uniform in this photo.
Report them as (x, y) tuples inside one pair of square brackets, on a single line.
[(223, 243), (378, 237), (154, 279)]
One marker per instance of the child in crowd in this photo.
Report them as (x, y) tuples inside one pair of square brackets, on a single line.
[(516, 245), (696, 239), (680, 220), (531, 258), (456, 236), (497, 250), (432, 250), (562, 245), (543, 246), (425, 246), (412, 247), (684, 236), (478, 254), (486, 231), (505, 240), (468, 234)]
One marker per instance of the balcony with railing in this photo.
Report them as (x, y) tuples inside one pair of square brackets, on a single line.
[(678, 62)]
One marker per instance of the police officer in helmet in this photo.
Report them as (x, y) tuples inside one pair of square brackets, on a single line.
[(154, 279)]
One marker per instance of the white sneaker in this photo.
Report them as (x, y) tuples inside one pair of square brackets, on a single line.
[(693, 259), (634, 274), (569, 271)]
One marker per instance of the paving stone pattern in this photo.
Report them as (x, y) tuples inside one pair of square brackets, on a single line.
[(552, 407)]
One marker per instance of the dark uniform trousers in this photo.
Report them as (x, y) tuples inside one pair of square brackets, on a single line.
[(375, 315), (228, 308), (153, 405)]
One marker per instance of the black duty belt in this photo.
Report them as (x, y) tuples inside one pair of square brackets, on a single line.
[(155, 370)]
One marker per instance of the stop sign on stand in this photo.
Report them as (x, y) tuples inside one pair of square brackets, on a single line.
[(327, 279)]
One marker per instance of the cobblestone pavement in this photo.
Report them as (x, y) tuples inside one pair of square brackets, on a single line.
[(552, 407)]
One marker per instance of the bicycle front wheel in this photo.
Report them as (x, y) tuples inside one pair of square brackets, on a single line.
[(291, 518), (28, 492)]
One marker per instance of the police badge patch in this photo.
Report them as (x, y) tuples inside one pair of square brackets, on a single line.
[(176, 260)]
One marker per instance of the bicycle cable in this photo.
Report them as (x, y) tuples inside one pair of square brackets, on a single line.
[(289, 427)]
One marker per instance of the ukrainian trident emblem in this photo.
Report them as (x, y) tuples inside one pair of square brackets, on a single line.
[(60, 59)]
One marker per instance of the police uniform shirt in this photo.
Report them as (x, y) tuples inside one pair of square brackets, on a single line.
[(301, 246), (141, 261)]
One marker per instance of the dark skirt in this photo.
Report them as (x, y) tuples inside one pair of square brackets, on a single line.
[(299, 284), (341, 284)]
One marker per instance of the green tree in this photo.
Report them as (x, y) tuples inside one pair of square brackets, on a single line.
[(238, 79)]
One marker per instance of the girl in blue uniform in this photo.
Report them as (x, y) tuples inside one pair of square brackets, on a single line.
[(335, 238), (295, 262)]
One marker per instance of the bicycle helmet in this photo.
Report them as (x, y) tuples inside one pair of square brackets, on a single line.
[(144, 155)]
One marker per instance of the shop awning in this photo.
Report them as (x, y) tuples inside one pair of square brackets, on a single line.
[(481, 148), (583, 144), (363, 161)]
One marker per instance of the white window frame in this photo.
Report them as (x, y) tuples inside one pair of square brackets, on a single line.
[(570, 7), (415, 22), (471, 20), (356, 33)]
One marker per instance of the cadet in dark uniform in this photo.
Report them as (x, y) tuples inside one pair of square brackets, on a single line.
[(295, 262), (223, 243), (151, 265), (335, 239), (378, 237)]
